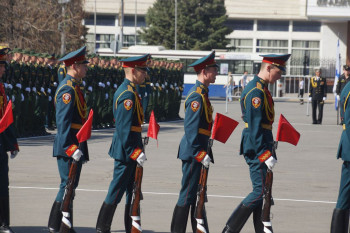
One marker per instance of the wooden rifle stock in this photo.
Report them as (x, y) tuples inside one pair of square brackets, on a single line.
[(201, 199), (66, 223), (268, 201), (136, 198)]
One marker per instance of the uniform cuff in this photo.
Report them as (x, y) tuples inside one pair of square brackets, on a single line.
[(71, 149), (200, 156), (135, 154), (264, 156)]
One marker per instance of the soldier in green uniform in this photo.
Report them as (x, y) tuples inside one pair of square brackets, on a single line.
[(342, 81), (53, 82), (193, 149), (340, 219), (127, 147), (317, 95), (257, 140), (70, 116), (8, 142)]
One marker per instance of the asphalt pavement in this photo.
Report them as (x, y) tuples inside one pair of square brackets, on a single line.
[(305, 186)]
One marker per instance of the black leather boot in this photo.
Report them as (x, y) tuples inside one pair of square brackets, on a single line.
[(127, 218), (258, 225), (237, 219), (5, 215), (180, 217), (340, 221), (105, 217), (55, 218), (194, 221)]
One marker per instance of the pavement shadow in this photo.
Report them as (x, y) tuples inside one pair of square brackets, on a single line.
[(41, 229)]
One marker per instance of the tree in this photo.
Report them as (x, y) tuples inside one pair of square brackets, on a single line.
[(36, 24), (200, 26)]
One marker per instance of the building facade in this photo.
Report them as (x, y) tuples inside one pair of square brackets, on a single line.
[(308, 29)]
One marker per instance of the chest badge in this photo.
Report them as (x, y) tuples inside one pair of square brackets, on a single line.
[(128, 104), (66, 98), (256, 101), (195, 106)]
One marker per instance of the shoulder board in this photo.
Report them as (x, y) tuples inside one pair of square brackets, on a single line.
[(69, 83), (258, 85), (130, 88), (199, 90)]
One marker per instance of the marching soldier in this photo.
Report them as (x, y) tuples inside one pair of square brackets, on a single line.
[(340, 218), (193, 146), (127, 147), (317, 96), (8, 142), (70, 116), (257, 140), (61, 72)]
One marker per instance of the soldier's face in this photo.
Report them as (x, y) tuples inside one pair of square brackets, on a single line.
[(210, 74), (81, 70), (139, 75), (275, 74)]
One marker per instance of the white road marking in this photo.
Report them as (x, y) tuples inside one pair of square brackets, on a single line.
[(176, 194)]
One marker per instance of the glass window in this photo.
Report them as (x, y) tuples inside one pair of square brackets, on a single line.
[(305, 57), (129, 40), (241, 45), (305, 44), (101, 20), (271, 46), (272, 25), (306, 26), (240, 24), (129, 21)]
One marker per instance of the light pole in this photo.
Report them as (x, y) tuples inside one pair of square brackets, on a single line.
[(135, 20), (175, 24), (62, 27)]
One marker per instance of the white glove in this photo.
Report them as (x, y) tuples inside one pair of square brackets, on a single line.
[(34, 89), (42, 89), (157, 84), (166, 83), (106, 96), (324, 98), (310, 98), (18, 85), (108, 83), (13, 98), (90, 88), (171, 86), (163, 86), (14, 153), (10, 86), (84, 83), (115, 86), (100, 84), (338, 97), (146, 94), (206, 161), (77, 154), (27, 89), (50, 98), (22, 97), (270, 162), (141, 159), (5, 84), (55, 84), (152, 84), (49, 90)]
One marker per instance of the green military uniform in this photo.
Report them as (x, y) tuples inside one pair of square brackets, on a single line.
[(126, 147), (318, 93)]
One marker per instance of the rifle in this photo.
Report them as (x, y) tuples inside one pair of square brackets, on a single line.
[(137, 196), (199, 213), (66, 224), (268, 200)]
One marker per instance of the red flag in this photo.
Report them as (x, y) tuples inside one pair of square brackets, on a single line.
[(223, 127), (7, 118), (286, 132), (153, 127), (85, 131)]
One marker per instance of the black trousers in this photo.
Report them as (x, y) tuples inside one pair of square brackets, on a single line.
[(317, 104)]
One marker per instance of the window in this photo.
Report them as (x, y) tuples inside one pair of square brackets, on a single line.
[(305, 56), (240, 24), (271, 46), (129, 21), (271, 25), (101, 20), (102, 41), (129, 40), (306, 26), (241, 45)]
